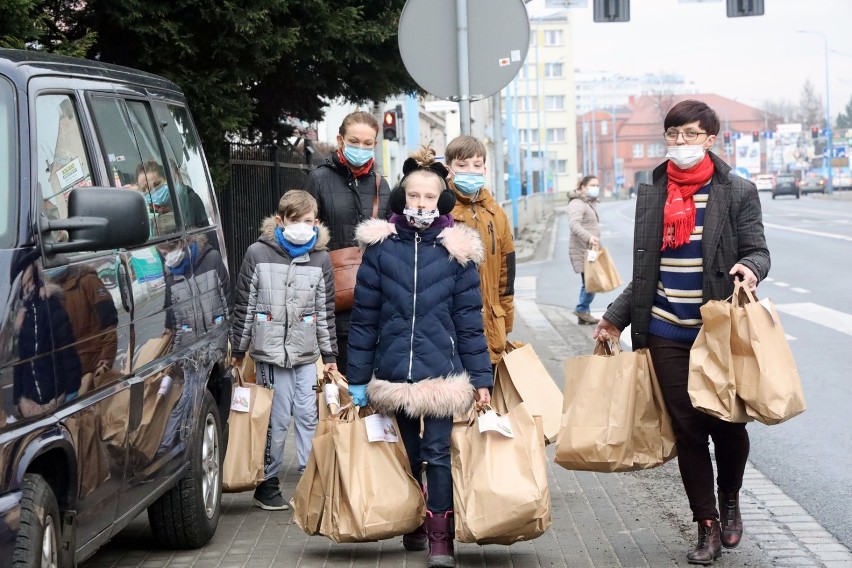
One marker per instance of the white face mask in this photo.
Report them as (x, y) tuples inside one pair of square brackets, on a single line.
[(593, 191), (175, 257), (299, 233), (420, 218), (686, 156)]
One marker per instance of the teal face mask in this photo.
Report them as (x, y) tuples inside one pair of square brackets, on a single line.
[(468, 183), (357, 156)]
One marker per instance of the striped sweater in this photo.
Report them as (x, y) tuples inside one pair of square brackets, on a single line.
[(675, 314)]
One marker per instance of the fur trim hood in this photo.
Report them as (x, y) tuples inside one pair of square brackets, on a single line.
[(442, 397), (462, 242), (267, 230)]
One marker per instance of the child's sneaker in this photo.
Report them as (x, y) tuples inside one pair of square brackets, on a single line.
[(268, 496)]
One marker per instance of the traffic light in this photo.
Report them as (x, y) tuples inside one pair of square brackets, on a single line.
[(389, 125), (727, 137), (755, 135), (814, 131)]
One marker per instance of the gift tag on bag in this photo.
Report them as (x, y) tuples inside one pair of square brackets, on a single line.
[(592, 255), (241, 399), (380, 428), (493, 422), (332, 393)]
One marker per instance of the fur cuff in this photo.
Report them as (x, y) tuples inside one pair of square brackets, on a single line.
[(437, 398)]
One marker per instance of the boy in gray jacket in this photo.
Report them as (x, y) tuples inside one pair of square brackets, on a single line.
[(284, 309)]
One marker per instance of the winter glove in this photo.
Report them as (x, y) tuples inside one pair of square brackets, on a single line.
[(358, 394)]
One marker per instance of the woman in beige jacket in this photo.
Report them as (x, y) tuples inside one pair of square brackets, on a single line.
[(585, 234)]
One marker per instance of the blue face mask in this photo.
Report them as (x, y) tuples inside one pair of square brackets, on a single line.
[(468, 183), (357, 156)]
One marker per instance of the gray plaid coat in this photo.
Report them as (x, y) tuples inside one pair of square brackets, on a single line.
[(733, 232)]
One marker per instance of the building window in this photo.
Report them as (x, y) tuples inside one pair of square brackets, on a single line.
[(656, 150), (552, 37), (533, 38), (528, 135), (554, 102), (527, 104), (639, 150), (561, 166), (556, 135), (604, 128), (553, 70), (527, 71)]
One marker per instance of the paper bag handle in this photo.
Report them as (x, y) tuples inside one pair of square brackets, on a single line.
[(238, 375), (606, 348), (742, 295)]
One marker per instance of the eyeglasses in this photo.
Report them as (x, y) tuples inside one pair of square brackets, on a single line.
[(688, 135)]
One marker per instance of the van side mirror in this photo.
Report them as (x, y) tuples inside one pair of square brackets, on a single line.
[(100, 218)]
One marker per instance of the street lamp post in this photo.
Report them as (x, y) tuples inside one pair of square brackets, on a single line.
[(827, 105)]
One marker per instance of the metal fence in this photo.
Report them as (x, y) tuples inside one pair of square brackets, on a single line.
[(259, 176)]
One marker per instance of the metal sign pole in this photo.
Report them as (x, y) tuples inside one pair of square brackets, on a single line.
[(464, 70)]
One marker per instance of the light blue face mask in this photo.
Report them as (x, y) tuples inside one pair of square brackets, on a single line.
[(357, 156), (159, 196), (468, 183)]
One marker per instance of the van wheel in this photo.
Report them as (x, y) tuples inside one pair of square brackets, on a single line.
[(187, 515), (38, 536)]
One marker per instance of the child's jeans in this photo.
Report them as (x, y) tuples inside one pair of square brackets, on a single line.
[(433, 449), (294, 399)]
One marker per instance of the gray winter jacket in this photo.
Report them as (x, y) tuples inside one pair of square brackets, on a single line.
[(284, 306), (584, 224), (733, 232)]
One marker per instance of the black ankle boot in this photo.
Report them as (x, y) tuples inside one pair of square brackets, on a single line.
[(730, 519), (709, 547), (416, 539)]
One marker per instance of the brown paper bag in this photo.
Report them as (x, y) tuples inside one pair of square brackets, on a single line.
[(332, 392), (767, 379), (244, 459), (601, 275), (712, 383), (614, 418), (85, 428), (376, 495), (500, 492), (153, 349), (160, 395), (521, 377), (312, 502)]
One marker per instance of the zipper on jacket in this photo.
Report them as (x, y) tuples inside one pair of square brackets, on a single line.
[(452, 355), (413, 309), (493, 242)]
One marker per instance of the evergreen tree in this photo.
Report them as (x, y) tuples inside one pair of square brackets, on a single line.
[(844, 119)]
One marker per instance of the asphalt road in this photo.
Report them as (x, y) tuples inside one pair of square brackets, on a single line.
[(810, 241)]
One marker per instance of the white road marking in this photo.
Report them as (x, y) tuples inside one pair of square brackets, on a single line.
[(808, 232), (781, 284), (839, 321), (800, 290)]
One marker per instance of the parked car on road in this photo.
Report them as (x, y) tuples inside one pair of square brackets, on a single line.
[(786, 184), (112, 401), (842, 180), (813, 183), (764, 182)]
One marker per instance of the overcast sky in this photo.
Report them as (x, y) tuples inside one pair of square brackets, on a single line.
[(748, 59)]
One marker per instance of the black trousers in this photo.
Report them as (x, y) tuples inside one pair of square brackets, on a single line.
[(693, 429)]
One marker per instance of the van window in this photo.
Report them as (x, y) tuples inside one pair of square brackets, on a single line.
[(63, 162), (8, 164), (186, 163), (134, 159)]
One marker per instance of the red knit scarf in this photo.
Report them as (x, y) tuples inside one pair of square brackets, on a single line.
[(356, 171), (679, 213)]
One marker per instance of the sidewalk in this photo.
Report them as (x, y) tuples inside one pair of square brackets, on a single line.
[(599, 520)]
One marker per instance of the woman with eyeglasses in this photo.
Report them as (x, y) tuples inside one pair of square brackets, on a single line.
[(698, 227), (348, 189)]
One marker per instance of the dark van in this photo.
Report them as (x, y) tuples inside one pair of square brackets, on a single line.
[(113, 312)]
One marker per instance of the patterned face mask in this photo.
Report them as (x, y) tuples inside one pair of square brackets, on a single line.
[(420, 219)]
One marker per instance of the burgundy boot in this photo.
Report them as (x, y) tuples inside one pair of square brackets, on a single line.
[(730, 518), (440, 531), (416, 539), (709, 547)]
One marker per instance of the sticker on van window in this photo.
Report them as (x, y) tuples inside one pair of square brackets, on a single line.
[(70, 173)]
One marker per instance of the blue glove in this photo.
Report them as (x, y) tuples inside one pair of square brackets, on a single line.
[(358, 394)]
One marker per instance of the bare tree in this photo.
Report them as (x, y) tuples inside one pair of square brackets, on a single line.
[(811, 107)]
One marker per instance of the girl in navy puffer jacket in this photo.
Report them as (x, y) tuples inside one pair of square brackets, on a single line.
[(416, 342)]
